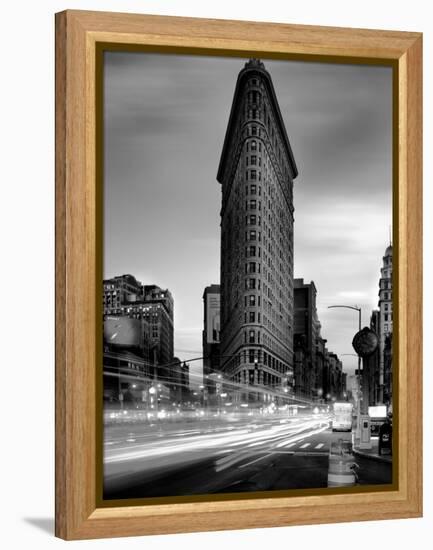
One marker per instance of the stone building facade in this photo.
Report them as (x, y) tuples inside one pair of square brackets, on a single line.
[(124, 296), (256, 173), (386, 320), (211, 336), (306, 340)]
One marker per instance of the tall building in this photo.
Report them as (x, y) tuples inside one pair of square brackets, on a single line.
[(306, 339), (211, 336), (320, 368), (387, 372), (256, 173), (333, 377), (118, 291), (157, 309), (385, 308), (377, 372), (124, 296)]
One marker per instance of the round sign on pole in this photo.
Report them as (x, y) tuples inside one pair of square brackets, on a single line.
[(365, 342)]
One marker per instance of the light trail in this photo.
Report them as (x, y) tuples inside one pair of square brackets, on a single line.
[(171, 451)]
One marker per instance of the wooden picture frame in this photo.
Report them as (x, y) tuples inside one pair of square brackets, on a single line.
[(80, 35)]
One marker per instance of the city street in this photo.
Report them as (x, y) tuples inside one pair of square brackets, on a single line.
[(224, 454)]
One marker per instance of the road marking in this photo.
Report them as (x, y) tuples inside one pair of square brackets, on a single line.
[(253, 461), (304, 446), (283, 443), (289, 445), (227, 462), (319, 446), (131, 440)]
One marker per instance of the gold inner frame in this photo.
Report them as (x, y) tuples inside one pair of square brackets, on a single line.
[(100, 49)]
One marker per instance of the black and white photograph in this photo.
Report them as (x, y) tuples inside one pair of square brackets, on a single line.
[(247, 275)]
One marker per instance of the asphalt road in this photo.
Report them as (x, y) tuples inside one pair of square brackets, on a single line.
[(224, 456)]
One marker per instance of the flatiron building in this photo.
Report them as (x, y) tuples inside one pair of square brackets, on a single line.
[(256, 173)]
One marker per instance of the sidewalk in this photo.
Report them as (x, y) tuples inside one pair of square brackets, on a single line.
[(372, 453)]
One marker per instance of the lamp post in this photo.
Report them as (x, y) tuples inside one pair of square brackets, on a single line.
[(358, 411)]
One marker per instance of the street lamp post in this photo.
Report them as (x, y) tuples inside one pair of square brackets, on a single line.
[(358, 412)]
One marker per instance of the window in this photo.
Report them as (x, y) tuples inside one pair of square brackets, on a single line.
[(253, 189), (251, 337), (252, 317), (253, 145), (252, 219), (254, 130), (252, 204), (251, 267), (252, 300), (251, 283), (253, 160), (252, 235), (253, 174)]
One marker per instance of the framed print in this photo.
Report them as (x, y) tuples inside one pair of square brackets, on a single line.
[(238, 274)]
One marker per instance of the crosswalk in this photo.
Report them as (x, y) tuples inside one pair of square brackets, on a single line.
[(298, 445), (252, 456), (310, 446)]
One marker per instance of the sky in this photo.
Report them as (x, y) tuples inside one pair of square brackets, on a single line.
[(165, 118)]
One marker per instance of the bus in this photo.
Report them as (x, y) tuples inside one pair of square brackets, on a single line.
[(342, 417)]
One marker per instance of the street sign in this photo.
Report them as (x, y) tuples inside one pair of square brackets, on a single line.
[(365, 342)]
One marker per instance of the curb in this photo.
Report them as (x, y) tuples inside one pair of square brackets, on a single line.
[(378, 458)]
